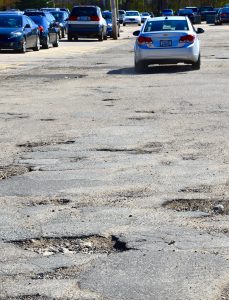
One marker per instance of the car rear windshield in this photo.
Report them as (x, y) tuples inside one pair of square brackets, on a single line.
[(39, 20), (10, 21), (34, 13), (57, 15), (84, 11), (225, 10), (166, 25), (132, 13)]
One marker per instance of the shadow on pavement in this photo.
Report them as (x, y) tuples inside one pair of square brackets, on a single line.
[(153, 70)]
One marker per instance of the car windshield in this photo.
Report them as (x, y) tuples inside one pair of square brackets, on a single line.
[(185, 11), (107, 16), (145, 14), (10, 21), (84, 11), (166, 25), (167, 11), (132, 13), (57, 15)]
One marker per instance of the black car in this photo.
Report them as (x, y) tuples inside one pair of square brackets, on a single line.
[(18, 32), (204, 10), (187, 12), (49, 33), (61, 18)]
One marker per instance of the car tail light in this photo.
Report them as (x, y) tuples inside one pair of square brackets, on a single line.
[(41, 28), (73, 18), (223, 15), (95, 18), (189, 38), (144, 40)]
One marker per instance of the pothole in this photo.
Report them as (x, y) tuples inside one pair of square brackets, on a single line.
[(110, 99), (13, 170), (13, 116), (197, 189), (47, 120), (55, 201), (49, 76), (29, 297), (44, 143), (154, 147), (93, 244), (202, 205), (59, 273), (145, 111)]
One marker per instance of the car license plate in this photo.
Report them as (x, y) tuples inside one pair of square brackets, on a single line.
[(166, 43), (83, 18)]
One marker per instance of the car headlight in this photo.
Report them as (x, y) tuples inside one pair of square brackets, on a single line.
[(15, 34), (61, 25)]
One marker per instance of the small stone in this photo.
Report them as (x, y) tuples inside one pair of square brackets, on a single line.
[(219, 208)]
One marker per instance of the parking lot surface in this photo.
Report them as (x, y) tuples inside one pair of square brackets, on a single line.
[(114, 185)]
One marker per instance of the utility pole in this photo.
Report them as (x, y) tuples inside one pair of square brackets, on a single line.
[(114, 19)]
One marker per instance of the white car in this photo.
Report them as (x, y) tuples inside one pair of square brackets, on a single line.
[(167, 40), (132, 17), (145, 16)]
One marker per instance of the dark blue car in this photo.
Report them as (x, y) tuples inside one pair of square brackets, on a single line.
[(49, 33), (61, 18), (18, 32), (107, 15)]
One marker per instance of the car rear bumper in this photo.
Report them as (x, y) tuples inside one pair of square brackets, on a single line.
[(86, 30), (166, 56)]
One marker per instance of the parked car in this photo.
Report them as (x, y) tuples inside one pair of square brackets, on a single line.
[(53, 26), (61, 18), (186, 12), (121, 14), (107, 15), (145, 16), (18, 32), (132, 17), (222, 16), (167, 12), (86, 21), (167, 40), (193, 8), (48, 31), (204, 10)]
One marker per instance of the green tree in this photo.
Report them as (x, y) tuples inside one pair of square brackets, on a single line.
[(23, 4)]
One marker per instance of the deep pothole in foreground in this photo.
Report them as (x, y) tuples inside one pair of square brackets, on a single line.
[(209, 206), (71, 245)]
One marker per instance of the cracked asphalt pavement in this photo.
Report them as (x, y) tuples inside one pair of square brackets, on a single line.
[(114, 185)]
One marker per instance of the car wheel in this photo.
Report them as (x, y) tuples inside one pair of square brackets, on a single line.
[(23, 47), (124, 24), (63, 33), (46, 45), (101, 37), (56, 44), (140, 66), (70, 37), (139, 24), (105, 37), (196, 65), (38, 45)]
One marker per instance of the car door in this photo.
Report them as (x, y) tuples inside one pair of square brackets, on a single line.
[(52, 28), (34, 31), (28, 32)]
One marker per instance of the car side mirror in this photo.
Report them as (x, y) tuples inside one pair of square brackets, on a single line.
[(136, 33), (200, 30)]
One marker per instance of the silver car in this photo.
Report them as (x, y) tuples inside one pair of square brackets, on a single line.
[(132, 17), (167, 40)]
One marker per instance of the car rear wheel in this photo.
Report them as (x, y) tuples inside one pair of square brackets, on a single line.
[(63, 33), (101, 37), (140, 66), (38, 45), (23, 47), (46, 45), (124, 24), (56, 44), (196, 65), (70, 37)]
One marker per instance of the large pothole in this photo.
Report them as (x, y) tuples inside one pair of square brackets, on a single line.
[(71, 245), (29, 297), (203, 205)]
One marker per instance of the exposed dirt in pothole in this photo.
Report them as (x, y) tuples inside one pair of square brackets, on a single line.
[(202, 205), (13, 170), (71, 245), (29, 297), (44, 143), (197, 189), (59, 273), (110, 99), (154, 147)]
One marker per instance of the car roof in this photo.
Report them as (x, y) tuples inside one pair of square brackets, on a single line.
[(168, 18)]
